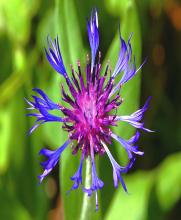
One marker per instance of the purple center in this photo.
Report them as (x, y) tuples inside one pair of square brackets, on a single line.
[(90, 115)]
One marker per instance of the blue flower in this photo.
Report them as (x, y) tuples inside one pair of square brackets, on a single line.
[(89, 119)]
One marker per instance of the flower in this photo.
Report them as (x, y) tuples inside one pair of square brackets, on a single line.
[(90, 116)]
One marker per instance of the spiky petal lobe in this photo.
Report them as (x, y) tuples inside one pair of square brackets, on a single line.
[(53, 158), (93, 35)]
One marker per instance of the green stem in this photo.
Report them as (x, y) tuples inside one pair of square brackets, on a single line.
[(86, 203)]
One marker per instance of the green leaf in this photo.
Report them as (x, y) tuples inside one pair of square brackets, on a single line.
[(118, 7), (11, 85), (5, 127), (169, 181), (7, 51), (16, 16), (16, 79), (11, 208), (68, 28), (132, 206), (46, 27)]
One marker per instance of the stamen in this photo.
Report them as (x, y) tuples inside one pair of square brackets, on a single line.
[(79, 69), (74, 79), (107, 66), (99, 57), (87, 59)]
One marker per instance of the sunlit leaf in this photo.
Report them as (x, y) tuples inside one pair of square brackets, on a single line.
[(5, 128), (7, 62), (169, 182), (132, 206), (17, 16)]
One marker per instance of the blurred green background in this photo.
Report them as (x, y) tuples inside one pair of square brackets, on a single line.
[(154, 184)]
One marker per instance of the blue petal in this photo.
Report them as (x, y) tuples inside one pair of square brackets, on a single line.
[(96, 182), (33, 128), (54, 56), (117, 169), (30, 104), (93, 35), (122, 59), (135, 118), (53, 158), (47, 115), (46, 152), (43, 105), (117, 177), (49, 102), (128, 145), (125, 65), (129, 73), (77, 177), (135, 138)]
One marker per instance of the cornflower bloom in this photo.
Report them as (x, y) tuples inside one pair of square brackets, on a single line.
[(90, 116)]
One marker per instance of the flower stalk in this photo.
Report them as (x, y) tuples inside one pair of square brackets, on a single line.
[(86, 203)]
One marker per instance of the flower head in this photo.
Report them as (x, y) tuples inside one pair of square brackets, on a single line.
[(92, 97)]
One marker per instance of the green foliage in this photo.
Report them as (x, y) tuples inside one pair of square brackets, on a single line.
[(169, 181), (148, 193), (17, 16), (5, 125), (139, 185)]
